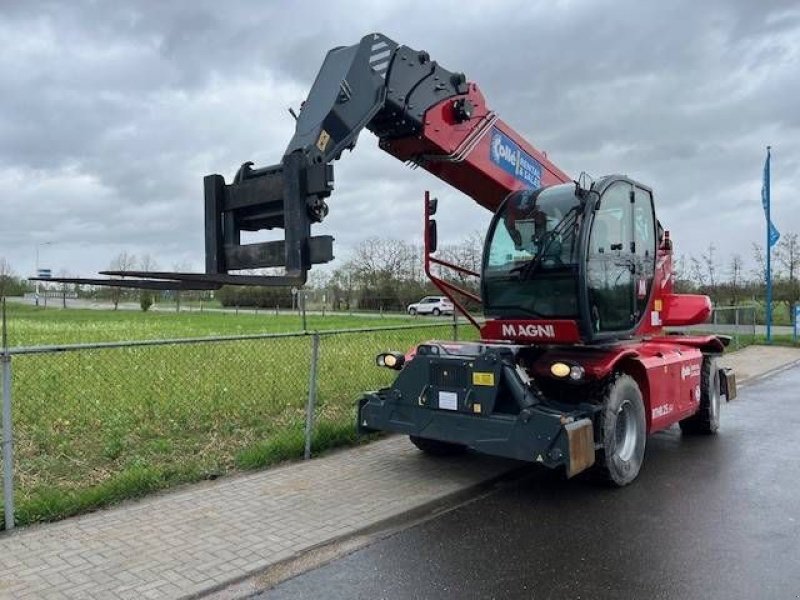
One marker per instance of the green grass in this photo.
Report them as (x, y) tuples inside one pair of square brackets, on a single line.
[(777, 340), (94, 427), (30, 326)]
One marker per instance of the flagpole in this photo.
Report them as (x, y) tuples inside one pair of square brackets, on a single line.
[(769, 249)]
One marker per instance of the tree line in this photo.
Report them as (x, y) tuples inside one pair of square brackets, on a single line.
[(388, 274), (731, 283)]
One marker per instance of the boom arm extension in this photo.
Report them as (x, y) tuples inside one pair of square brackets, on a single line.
[(421, 113)]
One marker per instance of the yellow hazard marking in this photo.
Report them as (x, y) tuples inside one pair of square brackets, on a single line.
[(657, 306), (322, 140), (476, 408), (482, 378)]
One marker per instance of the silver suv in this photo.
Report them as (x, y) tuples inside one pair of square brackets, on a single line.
[(431, 305)]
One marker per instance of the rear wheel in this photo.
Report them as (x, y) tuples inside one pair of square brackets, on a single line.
[(624, 432), (436, 447), (436, 312), (706, 419)]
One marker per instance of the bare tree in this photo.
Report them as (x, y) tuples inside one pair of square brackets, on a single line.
[(343, 285), (148, 263), (736, 268), (122, 262), (468, 254), (147, 297), (710, 267), (696, 272), (788, 256), (760, 272), (6, 276)]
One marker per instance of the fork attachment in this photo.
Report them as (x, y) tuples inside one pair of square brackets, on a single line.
[(290, 196)]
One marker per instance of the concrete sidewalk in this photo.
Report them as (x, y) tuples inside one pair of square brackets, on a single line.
[(198, 539)]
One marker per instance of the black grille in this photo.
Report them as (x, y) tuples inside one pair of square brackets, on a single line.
[(449, 375)]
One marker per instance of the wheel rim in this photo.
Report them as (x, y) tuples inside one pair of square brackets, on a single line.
[(625, 432), (714, 400)]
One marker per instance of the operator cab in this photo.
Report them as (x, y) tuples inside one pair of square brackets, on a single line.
[(569, 253)]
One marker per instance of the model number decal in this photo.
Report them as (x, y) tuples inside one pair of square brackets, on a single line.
[(690, 371), (662, 411), (508, 155)]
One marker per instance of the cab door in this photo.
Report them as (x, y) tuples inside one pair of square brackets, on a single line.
[(644, 249), (611, 263)]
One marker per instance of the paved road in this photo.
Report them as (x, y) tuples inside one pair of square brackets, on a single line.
[(714, 517)]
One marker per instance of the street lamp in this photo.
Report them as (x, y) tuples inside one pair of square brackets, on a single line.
[(39, 245)]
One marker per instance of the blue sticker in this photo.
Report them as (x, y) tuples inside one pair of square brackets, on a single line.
[(507, 155)]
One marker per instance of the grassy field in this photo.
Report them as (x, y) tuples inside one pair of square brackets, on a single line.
[(96, 426), (30, 326)]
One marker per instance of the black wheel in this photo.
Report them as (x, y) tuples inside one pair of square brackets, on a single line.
[(437, 448), (412, 311), (436, 312), (706, 419), (624, 430)]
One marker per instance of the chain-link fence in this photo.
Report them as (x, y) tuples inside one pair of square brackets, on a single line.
[(739, 322), (95, 423)]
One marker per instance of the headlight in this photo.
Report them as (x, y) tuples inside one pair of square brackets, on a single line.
[(576, 372), (391, 360), (562, 370), (559, 369)]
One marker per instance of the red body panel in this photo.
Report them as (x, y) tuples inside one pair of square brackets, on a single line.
[(686, 309), (666, 370), (459, 153)]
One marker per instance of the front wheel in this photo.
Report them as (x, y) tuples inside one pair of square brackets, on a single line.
[(412, 311), (624, 432), (706, 419), (436, 447)]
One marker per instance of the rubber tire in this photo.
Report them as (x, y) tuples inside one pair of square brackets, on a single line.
[(611, 468), (706, 420), (412, 312), (436, 312), (436, 447)]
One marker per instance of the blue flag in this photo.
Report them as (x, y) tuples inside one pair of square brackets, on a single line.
[(773, 232)]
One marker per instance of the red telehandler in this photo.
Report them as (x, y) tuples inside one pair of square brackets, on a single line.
[(574, 367)]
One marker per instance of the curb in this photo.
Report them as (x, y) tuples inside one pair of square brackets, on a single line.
[(357, 539), (757, 378)]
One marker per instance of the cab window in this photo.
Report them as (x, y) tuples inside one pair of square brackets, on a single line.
[(610, 262)]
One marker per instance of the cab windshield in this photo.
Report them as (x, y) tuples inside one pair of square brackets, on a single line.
[(531, 256)]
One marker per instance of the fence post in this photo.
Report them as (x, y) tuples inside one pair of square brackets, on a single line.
[(312, 395), (455, 326), (301, 296), (8, 431)]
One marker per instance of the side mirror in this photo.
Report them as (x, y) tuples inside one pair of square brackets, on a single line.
[(432, 237), (433, 204)]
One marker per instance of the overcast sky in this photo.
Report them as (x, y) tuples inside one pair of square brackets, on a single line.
[(111, 113)]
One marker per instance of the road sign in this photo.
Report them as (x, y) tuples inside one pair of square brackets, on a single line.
[(44, 273)]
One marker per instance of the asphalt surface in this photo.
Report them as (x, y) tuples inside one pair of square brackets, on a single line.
[(709, 517)]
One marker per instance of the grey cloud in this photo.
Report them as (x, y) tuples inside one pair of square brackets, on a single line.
[(111, 114)]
